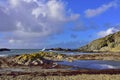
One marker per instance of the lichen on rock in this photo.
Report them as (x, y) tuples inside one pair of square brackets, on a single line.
[(30, 59), (37, 58)]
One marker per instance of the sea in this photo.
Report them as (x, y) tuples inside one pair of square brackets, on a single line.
[(29, 51), (18, 52)]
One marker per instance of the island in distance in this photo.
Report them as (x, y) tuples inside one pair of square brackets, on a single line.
[(4, 49)]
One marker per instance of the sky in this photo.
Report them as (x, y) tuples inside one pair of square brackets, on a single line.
[(35, 24)]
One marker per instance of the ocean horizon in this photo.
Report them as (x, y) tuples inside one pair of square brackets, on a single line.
[(18, 52), (29, 51)]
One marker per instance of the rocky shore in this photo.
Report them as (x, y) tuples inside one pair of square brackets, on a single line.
[(97, 56), (45, 64)]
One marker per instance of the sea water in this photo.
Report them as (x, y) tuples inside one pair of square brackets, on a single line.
[(92, 64), (28, 51), (18, 52)]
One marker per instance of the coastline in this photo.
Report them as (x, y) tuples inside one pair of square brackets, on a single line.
[(50, 68)]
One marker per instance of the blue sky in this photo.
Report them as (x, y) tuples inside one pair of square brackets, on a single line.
[(56, 23)]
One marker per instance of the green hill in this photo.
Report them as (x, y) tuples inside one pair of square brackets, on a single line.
[(110, 43)]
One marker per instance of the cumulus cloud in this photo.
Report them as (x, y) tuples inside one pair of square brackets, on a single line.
[(94, 12), (109, 31), (33, 19)]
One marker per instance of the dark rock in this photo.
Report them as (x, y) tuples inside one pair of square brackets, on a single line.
[(4, 49), (60, 49), (57, 49)]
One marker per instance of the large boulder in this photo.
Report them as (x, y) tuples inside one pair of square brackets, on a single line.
[(37, 58), (29, 59)]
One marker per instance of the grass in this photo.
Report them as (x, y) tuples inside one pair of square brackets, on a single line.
[(77, 77)]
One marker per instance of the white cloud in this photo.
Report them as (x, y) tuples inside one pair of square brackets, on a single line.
[(14, 3), (94, 12), (29, 20), (11, 41), (108, 31), (53, 10)]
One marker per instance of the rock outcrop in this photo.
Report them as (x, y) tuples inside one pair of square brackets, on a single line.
[(39, 58), (60, 49), (4, 49), (110, 43)]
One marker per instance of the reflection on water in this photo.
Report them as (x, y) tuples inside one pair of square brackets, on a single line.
[(92, 64)]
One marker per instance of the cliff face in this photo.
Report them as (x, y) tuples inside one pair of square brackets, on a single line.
[(110, 43)]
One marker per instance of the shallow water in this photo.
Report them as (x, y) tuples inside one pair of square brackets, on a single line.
[(92, 64)]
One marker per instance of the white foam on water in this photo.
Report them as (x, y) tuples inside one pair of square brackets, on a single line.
[(108, 66), (103, 66), (2, 55)]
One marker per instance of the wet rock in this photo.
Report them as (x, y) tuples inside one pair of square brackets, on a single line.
[(60, 49), (57, 49)]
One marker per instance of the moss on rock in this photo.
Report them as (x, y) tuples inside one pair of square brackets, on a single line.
[(37, 58)]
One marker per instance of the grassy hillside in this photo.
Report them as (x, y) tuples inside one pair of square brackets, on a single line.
[(110, 43)]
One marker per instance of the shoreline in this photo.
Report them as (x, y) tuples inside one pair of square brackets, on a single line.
[(48, 67), (65, 73)]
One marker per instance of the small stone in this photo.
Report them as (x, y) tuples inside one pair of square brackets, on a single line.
[(59, 57), (35, 62), (54, 64), (41, 62)]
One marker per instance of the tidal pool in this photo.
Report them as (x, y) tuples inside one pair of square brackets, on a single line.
[(92, 64)]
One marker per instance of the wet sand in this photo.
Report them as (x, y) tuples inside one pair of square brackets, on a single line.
[(61, 77), (77, 77)]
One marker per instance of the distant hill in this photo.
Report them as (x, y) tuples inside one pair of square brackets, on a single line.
[(110, 43)]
